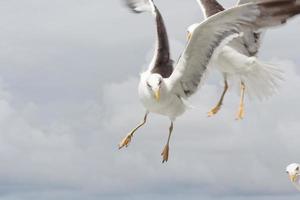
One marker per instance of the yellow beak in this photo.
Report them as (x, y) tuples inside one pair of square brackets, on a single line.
[(157, 94), (293, 177), (189, 35)]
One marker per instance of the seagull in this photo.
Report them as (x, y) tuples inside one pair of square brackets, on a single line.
[(293, 170), (238, 61), (164, 89)]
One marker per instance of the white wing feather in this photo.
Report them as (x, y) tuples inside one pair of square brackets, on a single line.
[(141, 5)]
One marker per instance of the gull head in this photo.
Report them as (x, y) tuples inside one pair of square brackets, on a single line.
[(154, 83), (191, 30), (293, 171)]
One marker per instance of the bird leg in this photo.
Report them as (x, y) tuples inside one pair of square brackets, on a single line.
[(125, 142), (165, 152), (241, 110), (219, 104)]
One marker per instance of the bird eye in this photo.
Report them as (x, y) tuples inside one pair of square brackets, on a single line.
[(297, 169), (149, 86), (159, 82)]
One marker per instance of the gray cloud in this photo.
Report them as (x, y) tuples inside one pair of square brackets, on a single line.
[(69, 73)]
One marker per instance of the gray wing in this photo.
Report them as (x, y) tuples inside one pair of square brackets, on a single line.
[(211, 34), (251, 40), (161, 63)]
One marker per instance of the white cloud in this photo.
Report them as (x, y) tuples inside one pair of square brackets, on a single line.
[(217, 156)]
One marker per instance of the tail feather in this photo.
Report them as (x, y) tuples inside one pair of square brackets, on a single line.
[(262, 80)]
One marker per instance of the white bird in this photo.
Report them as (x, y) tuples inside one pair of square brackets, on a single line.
[(238, 61), (163, 90), (293, 170)]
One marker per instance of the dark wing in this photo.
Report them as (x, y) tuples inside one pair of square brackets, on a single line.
[(210, 7), (161, 63), (212, 34)]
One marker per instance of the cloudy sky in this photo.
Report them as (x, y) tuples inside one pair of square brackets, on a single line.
[(68, 94)]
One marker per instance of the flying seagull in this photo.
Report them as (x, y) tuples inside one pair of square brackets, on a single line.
[(163, 90), (238, 61), (293, 170)]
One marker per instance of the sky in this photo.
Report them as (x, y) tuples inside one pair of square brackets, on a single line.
[(68, 94)]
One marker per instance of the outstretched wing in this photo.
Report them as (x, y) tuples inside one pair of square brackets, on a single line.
[(208, 36), (249, 44), (161, 62)]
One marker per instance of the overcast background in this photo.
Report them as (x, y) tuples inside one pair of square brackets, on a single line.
[(68, 94)]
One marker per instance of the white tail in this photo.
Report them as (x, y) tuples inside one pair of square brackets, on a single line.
[(262, 80)]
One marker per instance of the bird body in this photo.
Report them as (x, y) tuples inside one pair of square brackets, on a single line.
[(154, 89), (169, 104)]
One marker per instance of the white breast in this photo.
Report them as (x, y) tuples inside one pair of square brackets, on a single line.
[(169, 104), (297, 183)]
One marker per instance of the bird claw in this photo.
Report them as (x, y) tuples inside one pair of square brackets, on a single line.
[(125, 142), (165, 154), (241, 113), (214, 111)]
